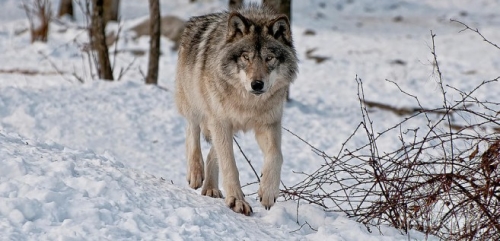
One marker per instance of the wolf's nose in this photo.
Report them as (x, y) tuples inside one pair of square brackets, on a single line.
[(257, 85)]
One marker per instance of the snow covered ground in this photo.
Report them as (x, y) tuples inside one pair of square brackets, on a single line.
[(105, 161)]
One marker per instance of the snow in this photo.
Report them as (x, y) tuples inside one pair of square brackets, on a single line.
[(105, 160)]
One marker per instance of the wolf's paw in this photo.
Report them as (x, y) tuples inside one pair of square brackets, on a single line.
[(195, 175), (268, 194), (211, 192), (239, 205)]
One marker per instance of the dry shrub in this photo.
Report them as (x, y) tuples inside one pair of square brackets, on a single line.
[(439, 180), (39, 14), (443, 178)]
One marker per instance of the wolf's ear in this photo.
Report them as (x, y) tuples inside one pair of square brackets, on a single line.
[(237, 26), (279, 28)]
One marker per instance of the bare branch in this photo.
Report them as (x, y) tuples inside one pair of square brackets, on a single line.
[(475, 31), (246, 158), (442, 179)]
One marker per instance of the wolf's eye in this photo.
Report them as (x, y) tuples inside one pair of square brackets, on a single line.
[(245, 56), (269, 58)]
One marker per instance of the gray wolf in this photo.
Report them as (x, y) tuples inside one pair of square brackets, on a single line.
[(233, 72)]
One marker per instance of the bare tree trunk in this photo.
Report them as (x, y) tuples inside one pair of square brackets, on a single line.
[(66, 8), (115, 13), (286, 8), (154, 48), (111, 10), (235, 4), (98, 39), (283, 7)]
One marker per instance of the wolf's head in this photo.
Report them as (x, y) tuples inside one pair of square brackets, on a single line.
[(260, 53)]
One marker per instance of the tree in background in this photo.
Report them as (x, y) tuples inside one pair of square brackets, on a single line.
[(39, 14), (66, 8), (98, 40), (283, 7), (111, 9), (154, 49), (235, 4), (280, 6)]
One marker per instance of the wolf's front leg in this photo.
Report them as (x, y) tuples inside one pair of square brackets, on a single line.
[(222, 141), (195, 173), (269, 139), (211, 184)]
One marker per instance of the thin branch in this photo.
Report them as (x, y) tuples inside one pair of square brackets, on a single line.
[(246, 158), (475, 31)]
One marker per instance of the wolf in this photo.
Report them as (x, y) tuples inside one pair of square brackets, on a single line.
[(233, 72)]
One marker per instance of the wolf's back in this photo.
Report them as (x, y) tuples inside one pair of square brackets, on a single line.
[(201, 37)]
